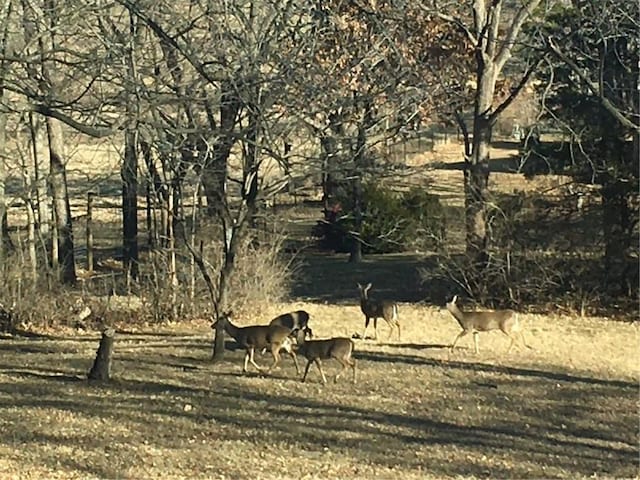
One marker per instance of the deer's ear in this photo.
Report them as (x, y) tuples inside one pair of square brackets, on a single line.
[(359, 286), (368, 286), (454, 299)]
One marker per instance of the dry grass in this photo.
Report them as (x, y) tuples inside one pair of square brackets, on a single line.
[(566, 409)]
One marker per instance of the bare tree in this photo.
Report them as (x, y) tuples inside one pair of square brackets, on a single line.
[(39, 27), (494, 31), (5, 241), (358, 93)]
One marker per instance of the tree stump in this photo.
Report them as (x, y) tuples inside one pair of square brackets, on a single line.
[(101, 369)]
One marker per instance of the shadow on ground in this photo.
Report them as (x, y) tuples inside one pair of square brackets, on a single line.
[(533, 420), (331, 278)]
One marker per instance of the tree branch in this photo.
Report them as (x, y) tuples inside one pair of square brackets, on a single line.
[(95, 132), (595, 89), (164, 36), (514, 30), (516, 91)]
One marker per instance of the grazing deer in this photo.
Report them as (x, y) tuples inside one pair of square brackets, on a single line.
[(257, 337), (475, 322), (378, 309), (340, 349)]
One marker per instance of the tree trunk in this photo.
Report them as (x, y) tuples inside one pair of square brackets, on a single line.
[(361, 163), (218, 340), (5, 240), (618, 217), (476, 174), (61, 206), (130, 204), (329, 160), (250, 168), (40, 174), (355, 253), (232, 237), (101, 369), (222, 297), (476, 182), (617, 226), (214, 170), (129, 170)]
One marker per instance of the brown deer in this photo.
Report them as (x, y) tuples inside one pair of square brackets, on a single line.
[(375, 309), (339, 349), (257, 337), (475, 322)]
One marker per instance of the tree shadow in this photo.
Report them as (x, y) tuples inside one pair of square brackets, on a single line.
[(490, 368), (312, 422), (331, 278), (510, 164), (417, 346)]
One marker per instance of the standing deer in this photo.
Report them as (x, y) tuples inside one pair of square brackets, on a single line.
[(378, 309), (257, 337), (339, 349), (475, 322)]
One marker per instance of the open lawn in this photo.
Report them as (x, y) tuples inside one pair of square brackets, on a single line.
[(567, 409)]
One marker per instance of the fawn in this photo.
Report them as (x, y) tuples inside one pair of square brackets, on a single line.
[(378, 309), (339, 349)]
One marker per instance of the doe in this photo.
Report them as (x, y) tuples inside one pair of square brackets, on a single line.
[(475, 322)]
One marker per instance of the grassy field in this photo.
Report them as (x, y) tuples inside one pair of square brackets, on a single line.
[(567, 409)]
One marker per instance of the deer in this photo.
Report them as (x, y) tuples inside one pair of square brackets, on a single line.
[(475, 322), (338, 348), (294, 321), (257, 337), (375, 309)]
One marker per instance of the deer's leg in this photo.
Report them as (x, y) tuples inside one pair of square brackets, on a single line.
[(353, 366), (398, 327), (246, 362), (366, 326), (375, 327), (252, 351), (391, 325), (458, 337), (295, 361), (475, 341), (306, 370), (319, 363), (524, 342), (275, 352), (344, 367), (512, 337)]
